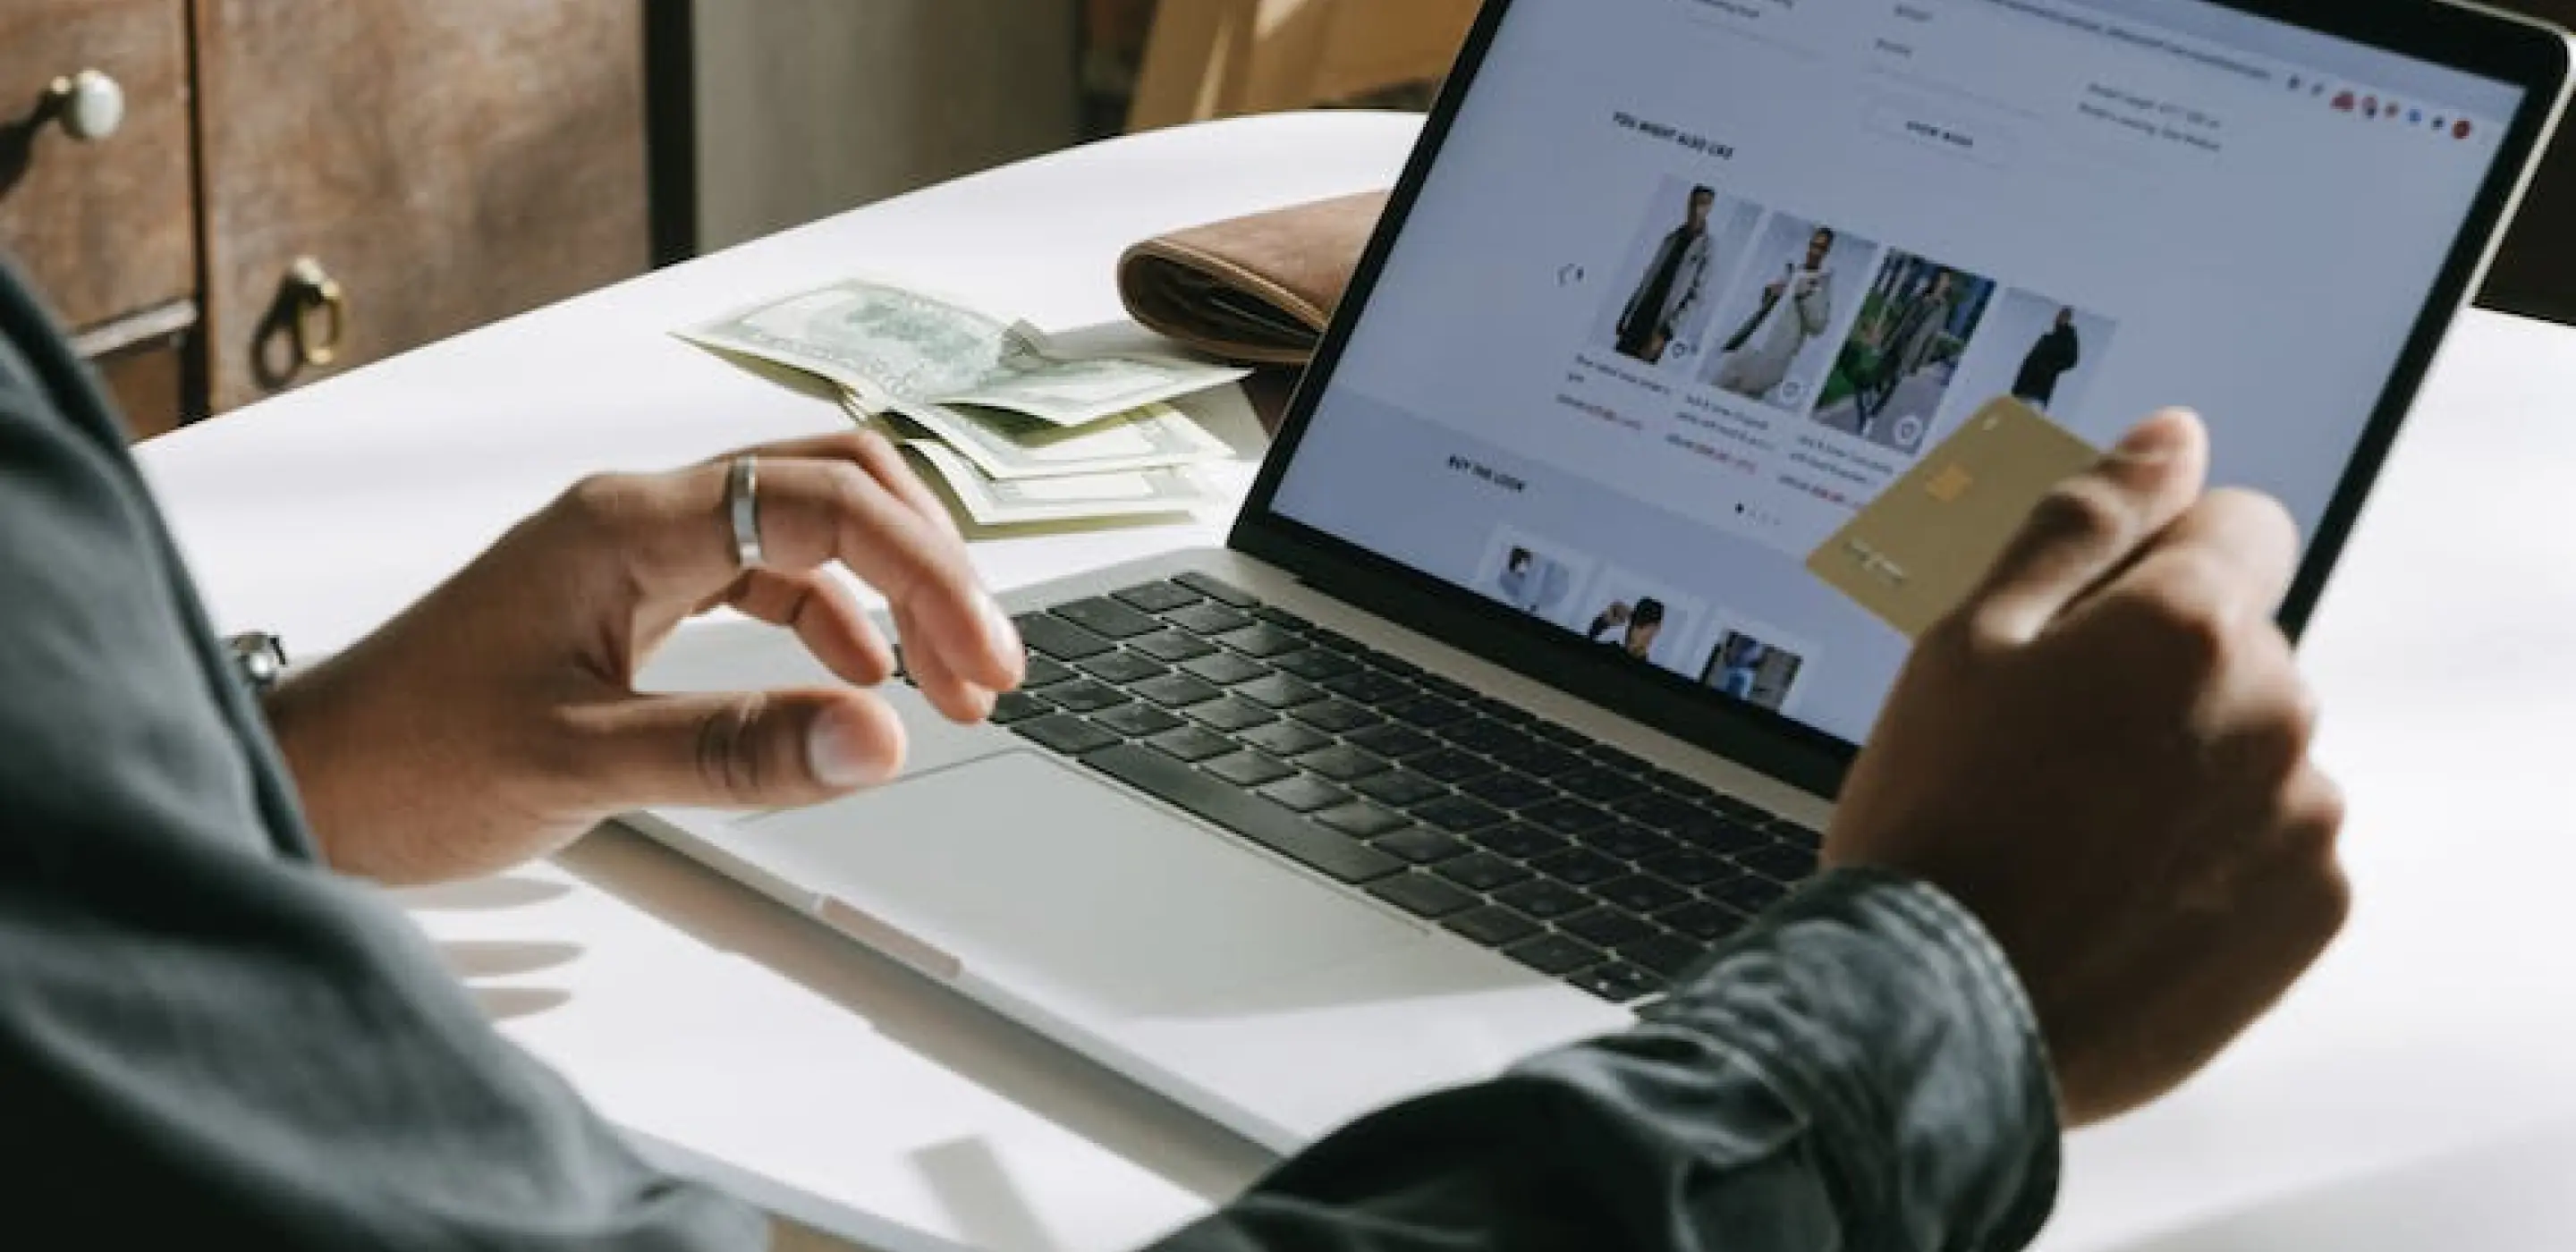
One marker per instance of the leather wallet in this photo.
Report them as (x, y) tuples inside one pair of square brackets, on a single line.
[(1256, 290)]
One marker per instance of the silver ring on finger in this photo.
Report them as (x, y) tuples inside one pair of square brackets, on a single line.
[(742, 503)]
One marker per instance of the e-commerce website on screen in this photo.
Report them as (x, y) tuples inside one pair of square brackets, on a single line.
[(1695, 280)]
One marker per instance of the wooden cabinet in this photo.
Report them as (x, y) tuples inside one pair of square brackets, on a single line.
[(297, 187)]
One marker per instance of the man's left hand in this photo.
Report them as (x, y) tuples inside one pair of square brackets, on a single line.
[(498, 719)]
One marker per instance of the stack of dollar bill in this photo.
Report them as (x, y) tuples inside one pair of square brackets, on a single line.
[(1020, 432)]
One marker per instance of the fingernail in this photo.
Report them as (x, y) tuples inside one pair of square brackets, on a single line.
[(1000, 632), (2155, 439), (837, 750)]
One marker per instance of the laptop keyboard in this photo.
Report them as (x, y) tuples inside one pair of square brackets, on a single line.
[(1574, 858)]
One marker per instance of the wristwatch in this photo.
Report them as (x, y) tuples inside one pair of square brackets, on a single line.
[(260, 657)]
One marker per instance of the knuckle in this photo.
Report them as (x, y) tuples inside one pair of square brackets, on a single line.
[(727, 758), (605, 498), (2086, 505)]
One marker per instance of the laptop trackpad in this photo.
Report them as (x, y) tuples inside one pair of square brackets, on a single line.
[(1044, 878)]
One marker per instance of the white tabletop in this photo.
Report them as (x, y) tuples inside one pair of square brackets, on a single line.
[(2407, 1096)]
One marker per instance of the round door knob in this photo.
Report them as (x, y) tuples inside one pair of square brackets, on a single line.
[(90, 105)]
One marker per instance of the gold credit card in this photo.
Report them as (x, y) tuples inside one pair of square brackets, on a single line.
[(1915, 553)]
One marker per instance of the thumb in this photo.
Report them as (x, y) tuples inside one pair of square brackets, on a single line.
[(747, 750), (2089, 527)]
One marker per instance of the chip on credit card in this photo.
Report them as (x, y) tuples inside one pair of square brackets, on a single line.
[(1918, 550)]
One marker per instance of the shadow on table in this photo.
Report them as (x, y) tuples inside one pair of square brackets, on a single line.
[(2511, 1196), (489, 895), (933, 1021)]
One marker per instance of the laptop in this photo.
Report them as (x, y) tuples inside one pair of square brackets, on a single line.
[(1513, 691)]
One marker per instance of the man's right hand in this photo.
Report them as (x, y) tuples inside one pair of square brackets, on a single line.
[(2104, 755)]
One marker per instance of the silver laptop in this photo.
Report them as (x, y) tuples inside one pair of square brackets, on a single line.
[(1512, 693)]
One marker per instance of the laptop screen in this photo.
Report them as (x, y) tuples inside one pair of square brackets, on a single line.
[(1693, 280)]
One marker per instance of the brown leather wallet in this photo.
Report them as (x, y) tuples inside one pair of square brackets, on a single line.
[(1257, 290)]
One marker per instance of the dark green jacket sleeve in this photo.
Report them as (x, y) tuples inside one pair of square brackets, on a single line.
[(1858, 1071), (207, 1040)]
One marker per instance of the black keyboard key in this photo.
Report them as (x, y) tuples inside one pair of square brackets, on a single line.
[(1561, 736), (1556, 955), (1278, 691), (1427, 712), (1544, 900), (1656, 809), (1331, 640), (1137, 721), (1369, 688), (1395, 742), (1451, 766), (1484, 872), (1249, 769), (1568, 817), (1457, 814), (1043, 673), (1687, 867), (1176, 691), (1336, 717), (1225, 669), (1493, 926), (1283, 619), (1193, 744), (1207, 619), (1606, 928), (1159, 597), (1363, 821), (1704, 920), (1317, 664), (1304, 794), (1285, 739), (1678, 785), (1619, 983), (1486, 736), (1620, 760), (1345, 764), (1261, 640), (1579, 868), (1629, 841), (1449, 687), (1124, 669), (1508, 714), (1396, 665), (1422, 846), (1665, 956), (1599, 784), (1219, 590), (1055, 637), (1016, 707), (1509, 791), (1746, 893), (1538, 760), (1399, 789), (1108, 618), (1711, 833), (1780, 863), (1231, 715), (1642, 893), (1749, 814), (1065, 733), (1424, 896), (1085, 696), (1264, 823), (1172, 647), (1792, 833), (1520, 841)]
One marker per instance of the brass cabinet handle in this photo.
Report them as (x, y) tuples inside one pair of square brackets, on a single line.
[(318, 312), (89, 105)]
